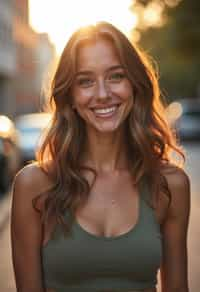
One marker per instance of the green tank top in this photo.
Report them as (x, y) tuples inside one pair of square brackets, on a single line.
[(86, 262)]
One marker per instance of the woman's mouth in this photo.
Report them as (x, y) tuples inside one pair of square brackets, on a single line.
[(106, 112)]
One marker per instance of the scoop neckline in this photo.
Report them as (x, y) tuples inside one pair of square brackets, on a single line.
[(117, 237)]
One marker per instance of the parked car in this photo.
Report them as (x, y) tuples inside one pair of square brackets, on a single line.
[(30, 128), (184, 114), (9, 153)]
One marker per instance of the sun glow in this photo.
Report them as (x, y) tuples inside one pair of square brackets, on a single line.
[(60, 18), (153, 14)]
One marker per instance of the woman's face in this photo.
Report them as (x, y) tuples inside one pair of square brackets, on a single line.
[(102, 93)]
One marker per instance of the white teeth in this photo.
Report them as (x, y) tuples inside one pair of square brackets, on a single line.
[(105, 110)]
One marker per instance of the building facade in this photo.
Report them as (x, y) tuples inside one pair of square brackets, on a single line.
[(7, 57), (30, 62), (22, 60)]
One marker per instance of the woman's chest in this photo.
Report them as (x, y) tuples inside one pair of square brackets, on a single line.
[(93, 260), (111, 208)]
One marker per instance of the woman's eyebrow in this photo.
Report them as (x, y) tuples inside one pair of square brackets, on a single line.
[(115, 67), (83, 72), (88, 72)]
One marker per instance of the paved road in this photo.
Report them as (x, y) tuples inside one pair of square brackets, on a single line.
[(192, 168), (6, 270)]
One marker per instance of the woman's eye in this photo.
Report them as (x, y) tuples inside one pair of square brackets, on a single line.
[(85, 82), (116, 76)]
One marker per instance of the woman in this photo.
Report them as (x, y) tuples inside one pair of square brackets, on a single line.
[(104, 208)]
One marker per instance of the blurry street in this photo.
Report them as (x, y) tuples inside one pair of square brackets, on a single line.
[(35, 70), (192, 168), (6, 272)]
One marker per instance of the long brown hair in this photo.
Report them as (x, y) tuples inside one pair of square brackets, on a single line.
[(149, 138)]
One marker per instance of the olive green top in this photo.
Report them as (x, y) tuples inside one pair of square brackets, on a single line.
[(87, 262)]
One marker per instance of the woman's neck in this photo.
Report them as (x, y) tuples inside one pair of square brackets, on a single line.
[(106, 152)]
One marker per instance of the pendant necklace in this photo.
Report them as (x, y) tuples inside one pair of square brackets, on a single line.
[(113, 201)]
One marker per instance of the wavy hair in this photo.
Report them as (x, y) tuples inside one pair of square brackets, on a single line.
[(150, 140)]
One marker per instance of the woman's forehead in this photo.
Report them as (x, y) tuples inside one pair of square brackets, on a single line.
[(98, 50)]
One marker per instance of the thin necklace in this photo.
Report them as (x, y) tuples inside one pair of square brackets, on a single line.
[(113, 202)]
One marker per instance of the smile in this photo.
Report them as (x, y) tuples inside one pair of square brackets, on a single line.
[(105, 112)]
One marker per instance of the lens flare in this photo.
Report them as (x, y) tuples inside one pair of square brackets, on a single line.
[(63, 17)]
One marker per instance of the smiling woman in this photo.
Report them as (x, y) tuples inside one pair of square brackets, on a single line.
[(68, 16), (104, 208), (102, 78)]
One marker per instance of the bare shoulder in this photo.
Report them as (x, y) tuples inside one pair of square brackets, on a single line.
[(179, 187), (176, 177), (30, 181)]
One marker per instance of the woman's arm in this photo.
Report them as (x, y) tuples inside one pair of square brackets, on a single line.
[(26, 231), (174, 272)]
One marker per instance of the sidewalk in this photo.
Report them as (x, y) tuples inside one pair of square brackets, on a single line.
[(5, 206), (7, 282)]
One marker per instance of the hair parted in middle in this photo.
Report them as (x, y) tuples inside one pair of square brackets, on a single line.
[(149, 139)]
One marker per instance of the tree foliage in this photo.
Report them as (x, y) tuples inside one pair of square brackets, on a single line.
[(175, 46)]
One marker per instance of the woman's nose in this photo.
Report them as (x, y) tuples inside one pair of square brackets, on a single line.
[(102, 90)]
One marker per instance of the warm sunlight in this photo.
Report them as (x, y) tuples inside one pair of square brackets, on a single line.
[(60, 18), (153, 14)]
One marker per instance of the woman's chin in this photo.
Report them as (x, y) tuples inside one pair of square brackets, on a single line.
[(109, 128)]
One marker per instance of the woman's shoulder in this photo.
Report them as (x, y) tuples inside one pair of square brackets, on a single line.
[(30, 182), (178, 184), (32, 176), (176, 176)]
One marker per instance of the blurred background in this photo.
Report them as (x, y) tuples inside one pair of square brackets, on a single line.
[(32, 36)]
